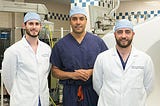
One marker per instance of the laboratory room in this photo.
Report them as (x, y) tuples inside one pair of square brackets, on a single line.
[(30, 76)]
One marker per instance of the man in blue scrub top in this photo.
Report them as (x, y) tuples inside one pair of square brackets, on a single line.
[(73, 59)]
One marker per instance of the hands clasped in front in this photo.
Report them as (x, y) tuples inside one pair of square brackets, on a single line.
[(82, 74)]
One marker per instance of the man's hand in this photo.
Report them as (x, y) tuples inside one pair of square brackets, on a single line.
[(82, 74)]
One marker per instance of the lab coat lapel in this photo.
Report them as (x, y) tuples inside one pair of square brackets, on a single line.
[(116, 58), (131, 59)]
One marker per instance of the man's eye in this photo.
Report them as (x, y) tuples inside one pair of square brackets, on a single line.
[(81, 18), (119, 31), (127, 31), (30, 23), (37, 23), (74, 18)]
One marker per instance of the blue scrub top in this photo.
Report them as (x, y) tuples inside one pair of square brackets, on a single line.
[(68, 55)]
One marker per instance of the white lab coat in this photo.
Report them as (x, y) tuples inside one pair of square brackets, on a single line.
[(118, 87), (25, 73)]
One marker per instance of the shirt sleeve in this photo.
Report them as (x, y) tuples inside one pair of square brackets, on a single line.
[(98, 75), (149, 76), (9, 65)]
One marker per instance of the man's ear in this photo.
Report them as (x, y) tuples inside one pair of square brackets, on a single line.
[(23, 26), (133, 33), (41, 26)]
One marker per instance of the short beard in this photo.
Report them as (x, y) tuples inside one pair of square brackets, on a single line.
[(123, 46), (28, 33)]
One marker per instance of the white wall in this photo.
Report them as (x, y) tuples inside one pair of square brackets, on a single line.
[(154, 52), (138, 6)]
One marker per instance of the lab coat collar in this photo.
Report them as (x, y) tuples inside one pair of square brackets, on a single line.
[(26, 43), (131, 58), (133, 51)]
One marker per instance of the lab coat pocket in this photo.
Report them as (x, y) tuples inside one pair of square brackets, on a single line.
[(137, 92), (136, 80), (138, 83), (44, 61)]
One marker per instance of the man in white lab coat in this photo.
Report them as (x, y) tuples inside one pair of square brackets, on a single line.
[(123, 75), (25, 67)]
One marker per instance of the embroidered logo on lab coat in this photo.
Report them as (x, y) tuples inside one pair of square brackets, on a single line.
[(137, 67), (45, 55)]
